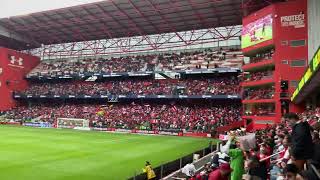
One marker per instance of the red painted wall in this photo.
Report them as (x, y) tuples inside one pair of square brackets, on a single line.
[(282, 33), (15, 66), (287, 52)]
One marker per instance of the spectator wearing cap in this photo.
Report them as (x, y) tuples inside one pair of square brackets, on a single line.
[(302, 145), (222, 173)]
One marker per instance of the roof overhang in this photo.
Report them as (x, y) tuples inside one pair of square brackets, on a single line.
[(111, 19), (115, 19), (310, 81)]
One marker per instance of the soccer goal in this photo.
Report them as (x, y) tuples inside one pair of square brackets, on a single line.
[(73, 123)]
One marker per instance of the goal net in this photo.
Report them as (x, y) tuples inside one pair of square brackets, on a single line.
[(73, 123)]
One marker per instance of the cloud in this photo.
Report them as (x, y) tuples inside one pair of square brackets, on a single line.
[(23, 7)]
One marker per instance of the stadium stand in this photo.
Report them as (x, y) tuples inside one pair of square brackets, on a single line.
[(262, 57), (261, 93), (198, 118), (287, 149), (274, 153), (203, 86), (175, 61), (256, 76), (261, 110)]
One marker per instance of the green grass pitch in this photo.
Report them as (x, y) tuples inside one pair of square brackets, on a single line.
[(61, 154)]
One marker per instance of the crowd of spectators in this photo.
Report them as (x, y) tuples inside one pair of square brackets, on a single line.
[(289, 150), (256, 76), (263, 56), (200, 118), (261, 93), (260, 110), (215, 86), (167, 61)]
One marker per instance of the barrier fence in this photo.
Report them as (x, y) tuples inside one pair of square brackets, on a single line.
[(172, 166)]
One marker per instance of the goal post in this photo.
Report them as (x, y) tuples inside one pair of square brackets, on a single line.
[(73, 123)]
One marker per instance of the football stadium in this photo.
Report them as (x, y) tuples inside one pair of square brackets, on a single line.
[(159, 89)]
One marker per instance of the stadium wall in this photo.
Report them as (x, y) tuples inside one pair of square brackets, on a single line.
[(289, 40), (291, 26), (13, 68), (313, 27)]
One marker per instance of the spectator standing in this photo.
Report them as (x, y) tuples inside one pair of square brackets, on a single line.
[(222, 173), (237, 162), (149, 170), (237, 158), (302, 145)]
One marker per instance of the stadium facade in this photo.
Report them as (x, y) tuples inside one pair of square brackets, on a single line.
[(273, 38)]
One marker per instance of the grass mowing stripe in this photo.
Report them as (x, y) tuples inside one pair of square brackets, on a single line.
[(59, 154)]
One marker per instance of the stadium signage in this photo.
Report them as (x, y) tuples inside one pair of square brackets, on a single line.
[(15, 61), (118, 97), (232, 96), (168, 133), (144, 132), (123, 130), (297, 20), (311, 70), (38, 124), (128, 74), (100, 129)]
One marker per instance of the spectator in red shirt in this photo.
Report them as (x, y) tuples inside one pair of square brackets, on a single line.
[(222, 173)]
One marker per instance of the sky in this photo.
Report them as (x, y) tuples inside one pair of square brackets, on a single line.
[(23, 7)]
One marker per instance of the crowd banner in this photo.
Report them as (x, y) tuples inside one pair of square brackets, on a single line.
[(266, 158), (248, 141), (223, 137)]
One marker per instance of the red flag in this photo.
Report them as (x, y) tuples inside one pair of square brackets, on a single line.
[(174, 108)]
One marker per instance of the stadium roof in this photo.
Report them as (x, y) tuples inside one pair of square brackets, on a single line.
[(115, 19)]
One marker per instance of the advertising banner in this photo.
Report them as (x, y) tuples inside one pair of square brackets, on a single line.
[(144, 132), (38, 124), (123, 131), (170, 133)]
